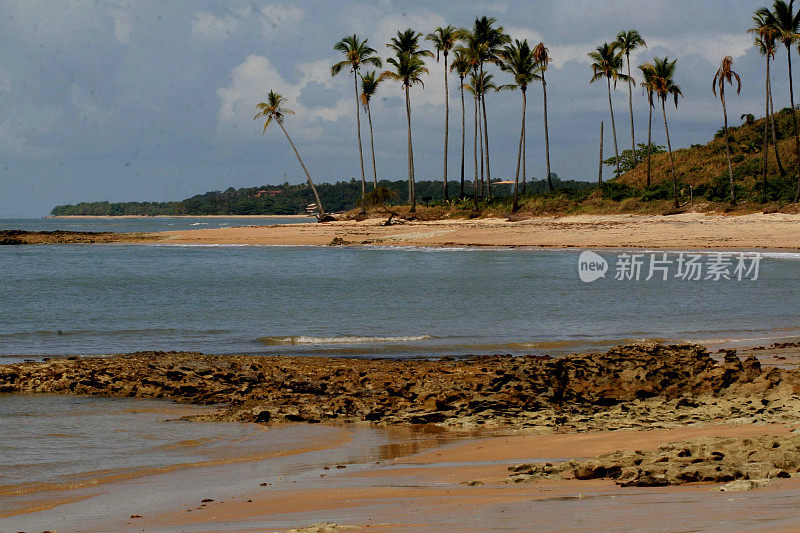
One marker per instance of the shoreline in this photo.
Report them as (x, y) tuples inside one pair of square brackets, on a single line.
[(678, 232), (688, 231), (112, 217), (602, 402)]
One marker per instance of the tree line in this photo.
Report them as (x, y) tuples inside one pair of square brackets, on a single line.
[(485, 46)]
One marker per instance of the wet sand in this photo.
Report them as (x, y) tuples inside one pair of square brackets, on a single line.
[(689, 231), (460, 487)]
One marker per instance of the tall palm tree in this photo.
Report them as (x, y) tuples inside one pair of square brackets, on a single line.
[(470, 53), (461, 65), (725, 73), (273, 109), (489, 39), (443, 40), (518, 60), (356, 53), (369, 86), (608, 64), (473, 87), (628, 41), (766, 35), (486, 85), (649, 89), (663, 79), (409, 66), (542, 58), (787, 25)]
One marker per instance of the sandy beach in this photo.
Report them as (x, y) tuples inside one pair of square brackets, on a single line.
[(684, 231)]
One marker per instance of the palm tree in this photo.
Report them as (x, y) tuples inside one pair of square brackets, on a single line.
[(518, 60), (627, 42), (787, 25), (765, 42), (725, 73), (273, 109), (356, 53), (489, 40), (663, 80), (369, 86), (473, 87), (486, 84), (649, 89), (443, 40), (469, 52), (608, 64), (542, 58), (408, 69), (461, 65)]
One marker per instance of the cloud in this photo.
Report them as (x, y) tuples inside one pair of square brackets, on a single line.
[(123, 25), (251, 79), (212, 27), (278, 16)]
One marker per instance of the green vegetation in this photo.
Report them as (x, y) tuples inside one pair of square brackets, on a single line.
[(282, 199)]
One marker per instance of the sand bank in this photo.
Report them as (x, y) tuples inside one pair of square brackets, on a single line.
[(684, 231)]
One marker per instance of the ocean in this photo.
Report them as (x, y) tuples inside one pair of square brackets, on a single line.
[(366, 301)]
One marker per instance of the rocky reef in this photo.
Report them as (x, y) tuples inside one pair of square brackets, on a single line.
[(633, 386)]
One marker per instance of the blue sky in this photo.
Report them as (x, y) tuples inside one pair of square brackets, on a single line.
[(153, 100)]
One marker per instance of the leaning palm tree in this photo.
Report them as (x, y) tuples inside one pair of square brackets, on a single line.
[(649, 90), (273, 109), (356, 53), (461, 66), (608, 64), (766, 35), (725, 73), (787, 25), (663, 79), (628, 41), (518, 60), (409, 66), (443, 40), (369, 86), (542, 58)]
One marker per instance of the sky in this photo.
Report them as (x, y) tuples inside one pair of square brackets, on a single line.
[(154, 100)]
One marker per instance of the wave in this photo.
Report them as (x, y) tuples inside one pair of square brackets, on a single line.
[(349, 339)]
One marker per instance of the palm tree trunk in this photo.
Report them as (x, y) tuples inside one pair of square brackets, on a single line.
[(774, 135), (727, 144), (671, 160), (486, 138), (480, 136), (766, 135), (475, 153), (649, 137), (514, 205), (546, 137), (524, 141), (613, 125), (446, 126), (310, 182), (600, 165), (372, 147), (463, 135), (411, 189), (630, 107), (360, 149), (794, 119)]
